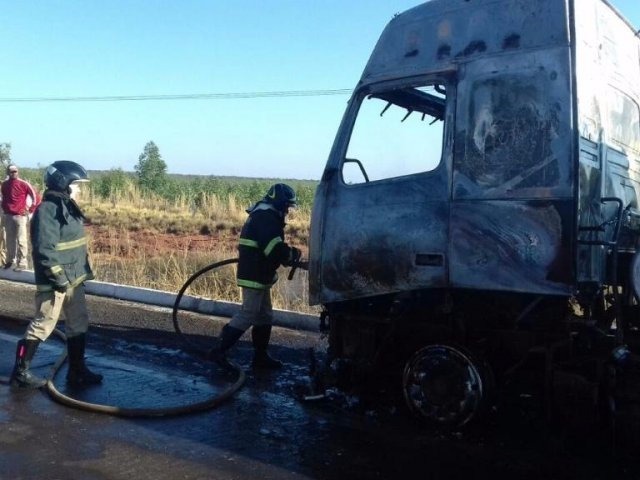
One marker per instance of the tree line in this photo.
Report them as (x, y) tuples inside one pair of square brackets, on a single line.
[(150, 178)]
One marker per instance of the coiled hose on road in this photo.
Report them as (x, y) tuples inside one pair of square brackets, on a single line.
[(150, 412)]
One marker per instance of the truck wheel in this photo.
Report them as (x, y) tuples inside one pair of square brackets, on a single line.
[(445, 385)]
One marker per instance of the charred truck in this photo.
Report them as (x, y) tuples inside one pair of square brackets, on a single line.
[(476, 229)]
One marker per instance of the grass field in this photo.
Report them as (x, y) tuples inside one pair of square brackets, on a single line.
[(158, 241)]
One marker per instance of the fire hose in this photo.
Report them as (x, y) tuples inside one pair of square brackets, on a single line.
[(207, 404)]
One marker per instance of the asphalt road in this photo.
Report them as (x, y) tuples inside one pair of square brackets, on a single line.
[(265, 431)]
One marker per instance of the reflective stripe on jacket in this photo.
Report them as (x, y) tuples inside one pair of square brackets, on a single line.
[(261, 248)]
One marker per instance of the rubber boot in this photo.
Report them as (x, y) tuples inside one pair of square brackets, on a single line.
[(261, 359), (228, 337), (78, 374), (21, 376)]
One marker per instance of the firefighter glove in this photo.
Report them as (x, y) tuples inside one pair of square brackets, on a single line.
[(61, 288), (294, 256)]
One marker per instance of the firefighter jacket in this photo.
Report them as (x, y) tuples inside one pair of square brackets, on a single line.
[(262, 248), (60, 258)]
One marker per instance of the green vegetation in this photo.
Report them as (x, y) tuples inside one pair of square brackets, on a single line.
[(141, 239), (192, 192), (182, 205), (126, 209), (152, 183), (151, 169), (5, 155)]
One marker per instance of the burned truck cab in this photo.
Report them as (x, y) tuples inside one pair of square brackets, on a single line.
[(480, 199)]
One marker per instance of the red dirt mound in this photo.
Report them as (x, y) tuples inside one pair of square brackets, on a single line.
[(128, 244)]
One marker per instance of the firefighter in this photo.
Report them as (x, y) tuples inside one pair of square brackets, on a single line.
[(61, 265), (262, 250)]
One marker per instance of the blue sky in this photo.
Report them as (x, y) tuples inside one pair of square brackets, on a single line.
[(64, 48)]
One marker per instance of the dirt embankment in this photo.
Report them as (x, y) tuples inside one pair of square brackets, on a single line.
[(129, 244)]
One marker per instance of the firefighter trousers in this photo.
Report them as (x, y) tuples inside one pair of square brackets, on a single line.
[(256, 309), (49, 306)]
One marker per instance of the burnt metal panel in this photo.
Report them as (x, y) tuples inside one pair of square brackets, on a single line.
[(518, 246), (608, 94), (439, 33), (512, 214), (384, 237), (590, 258), (513, 128), (523, 172)]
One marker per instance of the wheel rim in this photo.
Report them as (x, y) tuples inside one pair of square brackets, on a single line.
[(443, 385)]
